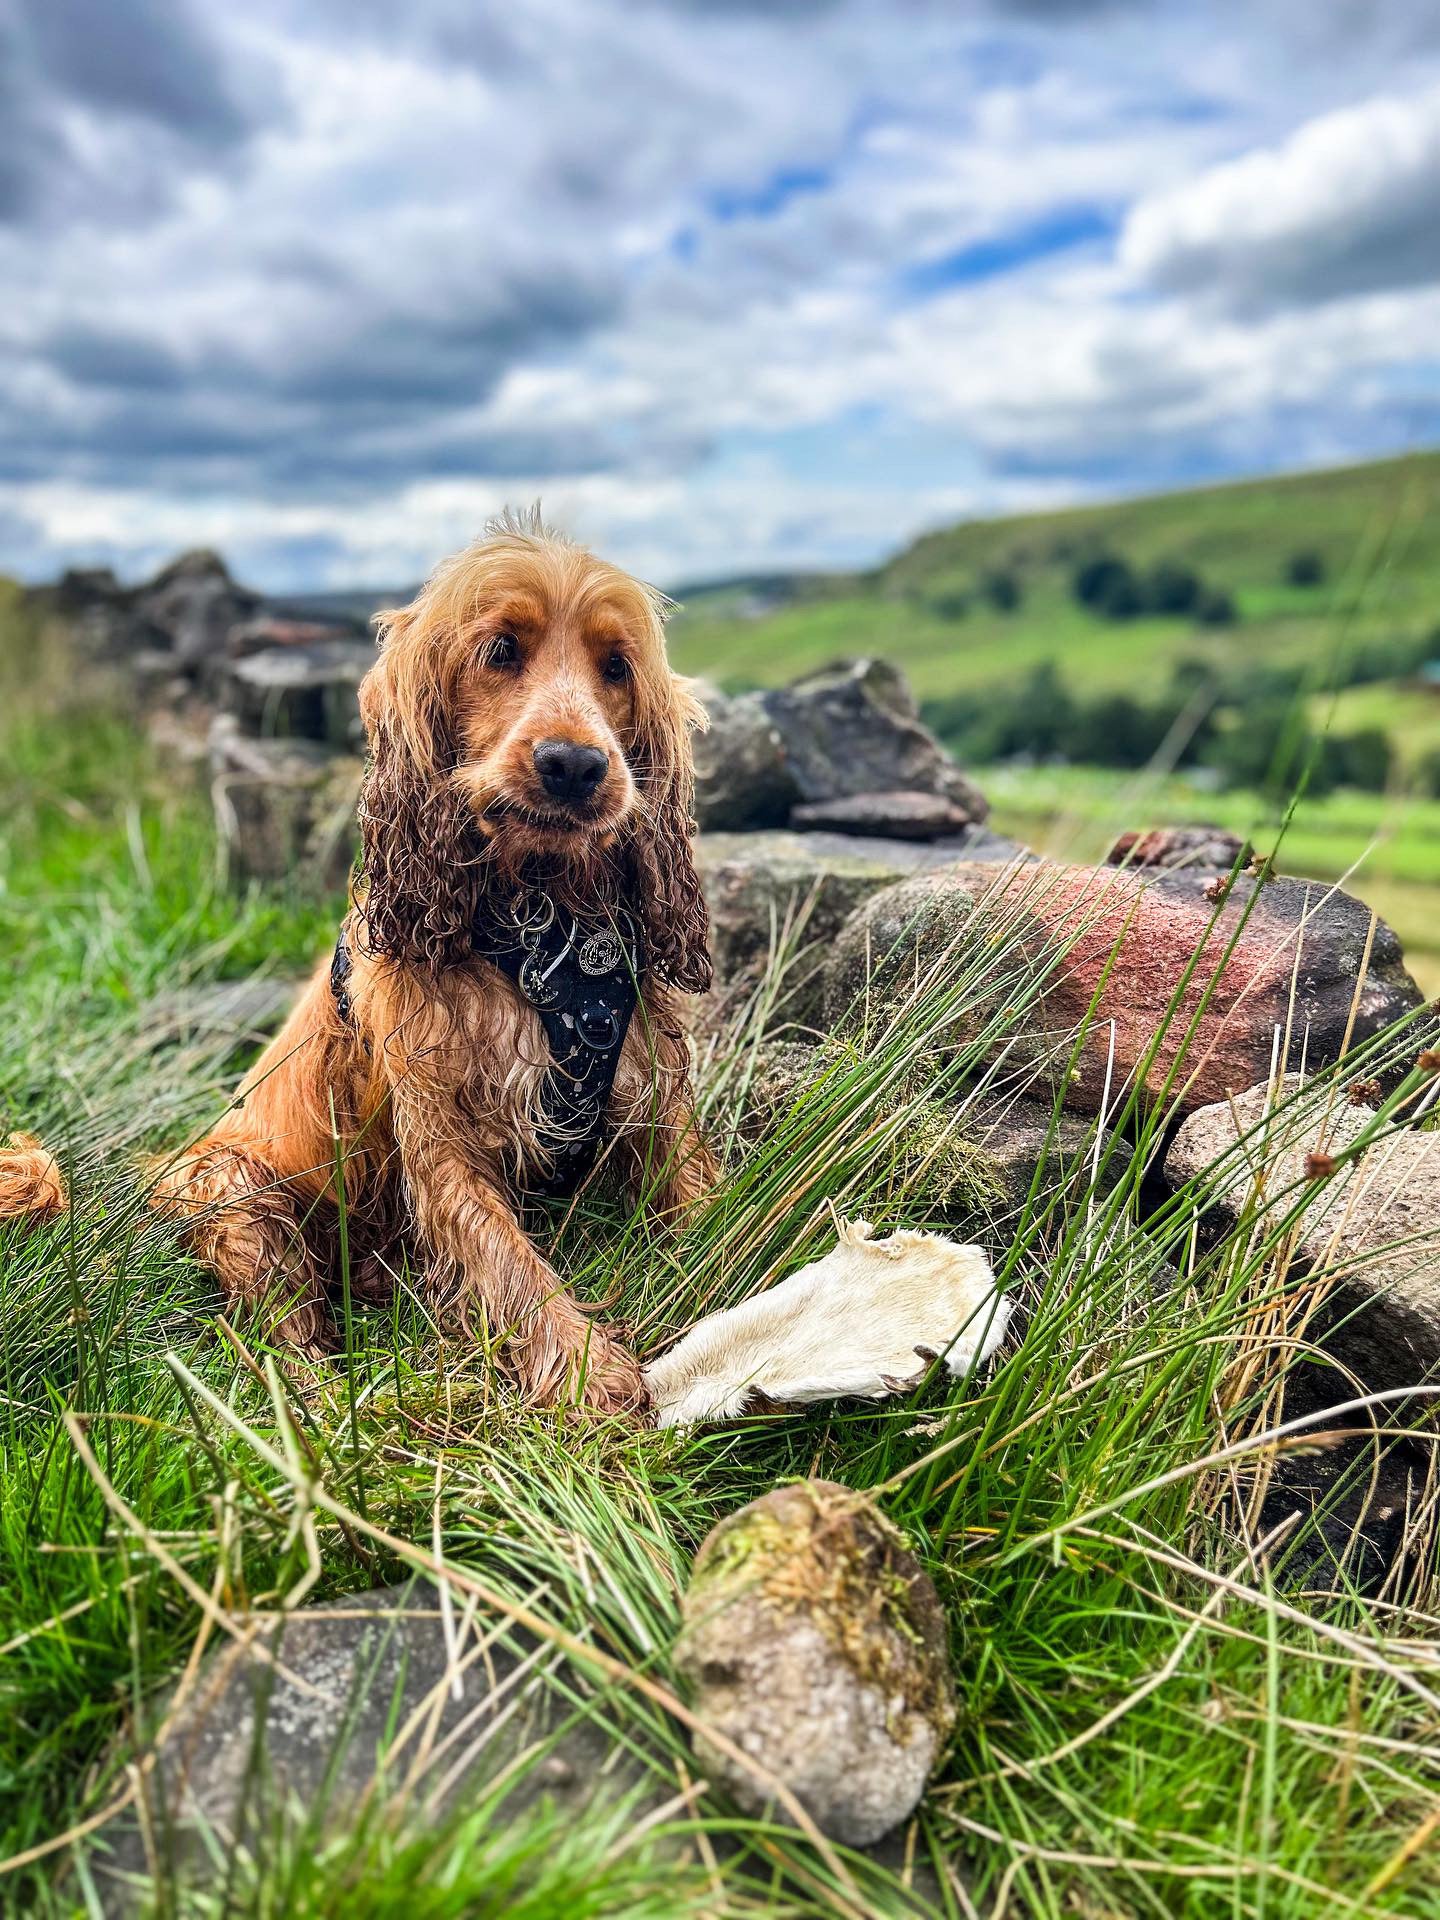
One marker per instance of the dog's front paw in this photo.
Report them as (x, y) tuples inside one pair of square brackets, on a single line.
[(608, 1380)]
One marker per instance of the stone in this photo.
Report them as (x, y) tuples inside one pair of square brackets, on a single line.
[(1178, 847), (1373, 1225), (893, 816), (307, 691), (815, 1642), (849, 731), (99, 614), (855, 728), (742, 779), (246, 1739), (193, 603), (1066, 938), (285, 809), (754, 881)]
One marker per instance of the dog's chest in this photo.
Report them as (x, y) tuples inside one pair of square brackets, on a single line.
[(574, 992)]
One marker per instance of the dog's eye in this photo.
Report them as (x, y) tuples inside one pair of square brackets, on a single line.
[(616, 669), (502, 650)]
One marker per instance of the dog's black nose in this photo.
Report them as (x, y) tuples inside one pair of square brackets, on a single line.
[(569, 771)]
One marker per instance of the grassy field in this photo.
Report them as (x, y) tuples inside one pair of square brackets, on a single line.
[(1376, 529), (1162, 1713)]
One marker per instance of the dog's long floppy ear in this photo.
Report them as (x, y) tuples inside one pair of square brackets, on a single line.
[(417, 884), (666, 886)]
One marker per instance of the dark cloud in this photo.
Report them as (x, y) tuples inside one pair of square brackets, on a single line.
[(154, 58), (152, 74), (358, 394), (90, 357)]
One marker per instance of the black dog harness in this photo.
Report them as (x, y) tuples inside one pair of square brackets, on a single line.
[(583, 982)]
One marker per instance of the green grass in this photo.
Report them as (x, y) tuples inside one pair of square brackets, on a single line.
[(1376, 527), (1153, 1721)]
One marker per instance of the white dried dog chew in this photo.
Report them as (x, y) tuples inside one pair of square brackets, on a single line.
[(863, 1321)]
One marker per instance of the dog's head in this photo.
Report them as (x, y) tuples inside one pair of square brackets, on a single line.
[(522, 716)]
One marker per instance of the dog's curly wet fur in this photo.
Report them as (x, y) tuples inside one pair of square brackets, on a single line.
[(433, 1081)]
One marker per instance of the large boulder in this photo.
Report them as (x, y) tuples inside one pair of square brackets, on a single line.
[(855, 728), (307, 691), (850, 730), (1146, 956), (285, 808), (193, 603), (755, 882), (1371, 1222), (742, 777)]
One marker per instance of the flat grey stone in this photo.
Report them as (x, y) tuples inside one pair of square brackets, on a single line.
[(247, 1742), (900, 815), (306, 691)]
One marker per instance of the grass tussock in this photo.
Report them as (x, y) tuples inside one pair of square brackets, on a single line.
[(1175, 1697)]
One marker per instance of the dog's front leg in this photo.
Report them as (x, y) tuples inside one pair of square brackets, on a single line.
[(481, 1262)]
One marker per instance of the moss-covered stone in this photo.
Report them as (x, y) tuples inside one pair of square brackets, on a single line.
[(815, 1642)]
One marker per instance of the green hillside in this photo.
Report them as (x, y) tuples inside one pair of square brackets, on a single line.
[(1375, 528)]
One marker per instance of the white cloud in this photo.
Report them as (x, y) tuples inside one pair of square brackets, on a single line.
[(1350, 202)]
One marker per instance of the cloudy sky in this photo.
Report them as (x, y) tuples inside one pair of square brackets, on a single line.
[(729, 286)]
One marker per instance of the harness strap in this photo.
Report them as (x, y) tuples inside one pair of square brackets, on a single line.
[(584, 984)]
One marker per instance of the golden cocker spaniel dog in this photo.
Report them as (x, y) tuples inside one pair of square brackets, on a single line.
[(505, 1000)]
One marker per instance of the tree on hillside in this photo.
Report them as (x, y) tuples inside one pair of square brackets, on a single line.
[(1267, 744), (1002, 589), (950, 603), (1360, 759), (1106, 584), (1305, 568), (1116, 731), (1215, 608), (1172, 588)]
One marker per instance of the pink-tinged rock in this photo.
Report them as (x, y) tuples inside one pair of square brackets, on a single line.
[(1060, 928)]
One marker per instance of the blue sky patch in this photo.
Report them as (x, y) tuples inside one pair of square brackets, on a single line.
[(1054, 232)]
